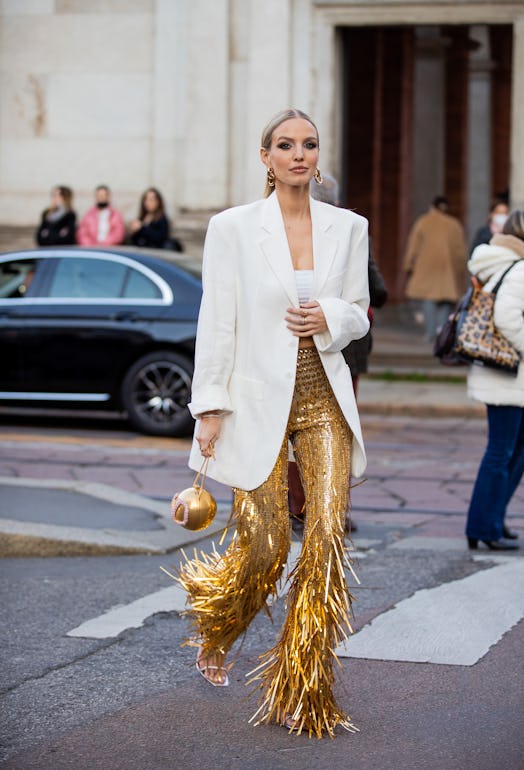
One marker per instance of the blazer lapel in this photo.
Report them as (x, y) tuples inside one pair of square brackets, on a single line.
[(276, 249), (324, 245)]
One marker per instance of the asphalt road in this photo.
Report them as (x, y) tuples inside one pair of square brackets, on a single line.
[(135, 700)]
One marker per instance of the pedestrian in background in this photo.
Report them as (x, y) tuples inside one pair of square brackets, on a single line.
[(357, 352), (102, 225), (502, 466), (435, 262), (58, 224), (356, 356), (151, 228), (498, 213), (268, 369)]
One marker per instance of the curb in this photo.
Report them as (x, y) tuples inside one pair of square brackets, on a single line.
[(422, 410), (20, 538)]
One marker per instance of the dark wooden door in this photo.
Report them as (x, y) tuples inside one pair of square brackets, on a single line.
[(377, 139)]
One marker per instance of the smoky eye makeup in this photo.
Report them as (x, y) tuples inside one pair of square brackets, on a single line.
[(283, 143)]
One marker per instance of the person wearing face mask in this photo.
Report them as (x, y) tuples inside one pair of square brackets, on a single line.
[(498, 213), (502, 465), (102, 225)]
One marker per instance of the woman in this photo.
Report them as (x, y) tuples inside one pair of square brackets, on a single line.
[(285, 289), (498, 213), (58, 224), (502, 466), (152, 227)]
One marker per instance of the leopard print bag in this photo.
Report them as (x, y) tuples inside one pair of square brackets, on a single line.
[(477, 340)]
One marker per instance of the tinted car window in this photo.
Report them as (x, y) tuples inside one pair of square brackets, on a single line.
[(139, 286), (15, 278), (93, 278)]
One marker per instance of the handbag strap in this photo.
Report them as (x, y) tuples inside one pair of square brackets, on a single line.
[(504, 274), (202, 473)]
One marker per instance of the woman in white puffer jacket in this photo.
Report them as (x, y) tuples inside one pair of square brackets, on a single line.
[(502, 466)]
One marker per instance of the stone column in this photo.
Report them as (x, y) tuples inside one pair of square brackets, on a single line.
[(517, 121), (206, 125), (269, 75), (428, 118), (479, 129), (325, 89), (168, 139)]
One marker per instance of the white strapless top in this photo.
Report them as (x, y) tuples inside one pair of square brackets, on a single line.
[(304, 279)]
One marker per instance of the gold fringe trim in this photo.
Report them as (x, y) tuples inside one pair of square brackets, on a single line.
[(296, 676), (226, 591)]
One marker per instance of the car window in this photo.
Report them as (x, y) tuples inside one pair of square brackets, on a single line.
[(139, 286), (88, 278), (15, 277)]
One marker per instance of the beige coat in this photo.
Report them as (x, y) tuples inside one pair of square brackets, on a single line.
[(245, 360), (436, 257)]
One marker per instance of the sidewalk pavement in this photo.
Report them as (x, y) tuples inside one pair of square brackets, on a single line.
[(97, 492), (35, 513)]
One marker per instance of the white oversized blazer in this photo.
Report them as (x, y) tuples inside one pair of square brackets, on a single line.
[(245, 358)]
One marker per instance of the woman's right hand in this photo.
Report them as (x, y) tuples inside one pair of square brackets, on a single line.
[(208, 433)]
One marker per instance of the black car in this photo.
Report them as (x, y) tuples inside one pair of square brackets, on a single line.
[(100, 328)]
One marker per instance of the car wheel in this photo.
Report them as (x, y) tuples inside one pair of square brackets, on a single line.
[(155, 394)]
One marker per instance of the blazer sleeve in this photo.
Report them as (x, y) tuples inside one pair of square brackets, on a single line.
[(215, 342), (346, 316)]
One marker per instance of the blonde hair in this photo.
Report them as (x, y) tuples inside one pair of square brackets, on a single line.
[(514, 224), (267, 133)]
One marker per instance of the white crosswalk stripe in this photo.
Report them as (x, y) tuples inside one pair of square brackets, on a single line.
[(118, 619), (455, 623), (132, 615)]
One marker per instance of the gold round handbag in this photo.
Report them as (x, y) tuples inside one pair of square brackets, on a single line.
[(194, 508)]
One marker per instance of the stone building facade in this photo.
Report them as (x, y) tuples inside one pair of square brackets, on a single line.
[(411, 98)]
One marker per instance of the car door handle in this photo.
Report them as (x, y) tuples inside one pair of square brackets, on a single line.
[(126, 315)]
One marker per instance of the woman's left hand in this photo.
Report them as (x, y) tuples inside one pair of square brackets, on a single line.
[(307, 320)]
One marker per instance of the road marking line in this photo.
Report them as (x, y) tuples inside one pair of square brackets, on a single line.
[(170, 599), (114, 621), (455, 623)]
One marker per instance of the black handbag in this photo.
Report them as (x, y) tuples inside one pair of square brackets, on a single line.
[(443, 347)]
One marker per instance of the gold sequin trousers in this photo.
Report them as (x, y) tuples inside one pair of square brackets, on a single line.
[(226, 591)]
